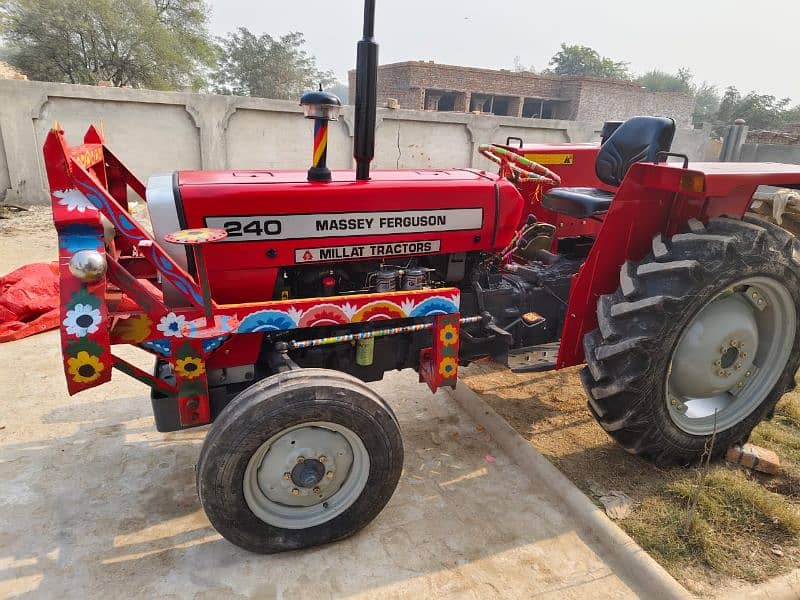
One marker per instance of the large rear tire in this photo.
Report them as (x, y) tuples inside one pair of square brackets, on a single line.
[(699, 340), (298, 459)]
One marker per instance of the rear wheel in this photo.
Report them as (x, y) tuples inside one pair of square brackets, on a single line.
[(699, 340), (300, 458)]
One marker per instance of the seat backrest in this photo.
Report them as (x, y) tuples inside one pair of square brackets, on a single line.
[(639, 139)]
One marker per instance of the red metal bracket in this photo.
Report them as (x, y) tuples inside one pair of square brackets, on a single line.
[(438, 365)]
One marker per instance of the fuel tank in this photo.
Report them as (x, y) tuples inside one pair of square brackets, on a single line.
[(278, 219)]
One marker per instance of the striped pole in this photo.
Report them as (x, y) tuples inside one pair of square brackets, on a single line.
[(319, 170), (338, 339)]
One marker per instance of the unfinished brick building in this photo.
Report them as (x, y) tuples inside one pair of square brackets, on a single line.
[(421, 85)]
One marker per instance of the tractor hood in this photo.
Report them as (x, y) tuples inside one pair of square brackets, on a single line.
[(279, 219)]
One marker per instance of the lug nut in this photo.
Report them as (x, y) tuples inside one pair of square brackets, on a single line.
[(301, 459), (329, 474), (747, 374), (295, 492), (718, 363), (287, 475), (317, 491), (322, 459), (721, 373), (738, 366), (740, 384)]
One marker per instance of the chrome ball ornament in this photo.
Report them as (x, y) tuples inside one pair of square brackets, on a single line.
[(88, 265)]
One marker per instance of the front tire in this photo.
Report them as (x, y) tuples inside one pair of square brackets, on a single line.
[(699, 340), (298, 459)]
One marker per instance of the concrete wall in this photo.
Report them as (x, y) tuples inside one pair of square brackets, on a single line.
[(601, 99), (159, 132), (780, 153)]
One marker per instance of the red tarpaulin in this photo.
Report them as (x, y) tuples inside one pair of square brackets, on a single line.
[(28, 301)]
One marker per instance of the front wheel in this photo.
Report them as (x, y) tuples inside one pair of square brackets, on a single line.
[(699, 341), (299, 459)]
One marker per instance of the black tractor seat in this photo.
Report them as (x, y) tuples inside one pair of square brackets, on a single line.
[(580, 202), (639, 139)]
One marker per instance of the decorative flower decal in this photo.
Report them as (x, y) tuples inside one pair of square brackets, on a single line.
[(84, 367), (195, 236), (82, 320), (436, 305), (161, 346), (448, 335), (74, 200), (448, 366), (378, 310), (134, 329), (266, 320), (213, 343), (172, 325), (190, 367)]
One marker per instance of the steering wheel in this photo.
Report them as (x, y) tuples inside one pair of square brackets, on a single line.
[(525, 169)]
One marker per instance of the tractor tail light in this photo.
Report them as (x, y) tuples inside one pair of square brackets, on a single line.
[(693, 182)]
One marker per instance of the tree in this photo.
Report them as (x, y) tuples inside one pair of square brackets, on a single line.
[(706, 103), (760, 111), (158, 44), (252, 65), (661, 81), (584, 61)]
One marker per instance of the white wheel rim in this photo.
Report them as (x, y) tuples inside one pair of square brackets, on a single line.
[(731, 355), (306, 475)]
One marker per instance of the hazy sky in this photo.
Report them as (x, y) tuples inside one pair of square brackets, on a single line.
[(752, 45)]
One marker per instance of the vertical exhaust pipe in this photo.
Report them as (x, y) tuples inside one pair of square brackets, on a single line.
[(366, 94)]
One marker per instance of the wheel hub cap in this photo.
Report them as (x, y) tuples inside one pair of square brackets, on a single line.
[(308, 473)]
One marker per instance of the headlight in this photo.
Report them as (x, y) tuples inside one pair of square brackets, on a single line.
[(88, 265)]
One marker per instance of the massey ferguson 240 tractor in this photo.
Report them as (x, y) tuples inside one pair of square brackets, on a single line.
[(268, 298)]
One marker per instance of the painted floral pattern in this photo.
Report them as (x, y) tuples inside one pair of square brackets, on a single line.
[(84, 367), (133, 329), (171, 325), (447, 367), (73, 200), (448, 335), (82, 320), (190, 367)]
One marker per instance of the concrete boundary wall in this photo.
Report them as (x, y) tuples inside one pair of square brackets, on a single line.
[(159, 132)]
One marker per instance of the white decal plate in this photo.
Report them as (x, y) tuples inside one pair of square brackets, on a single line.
[(360, 251), (259, 228)]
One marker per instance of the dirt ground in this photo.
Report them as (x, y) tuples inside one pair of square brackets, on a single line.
[(749, 522), (97, 504)]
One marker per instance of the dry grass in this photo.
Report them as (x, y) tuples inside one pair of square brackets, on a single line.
[(740, 516)]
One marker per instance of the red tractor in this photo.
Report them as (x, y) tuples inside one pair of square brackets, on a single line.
[(268, 298)]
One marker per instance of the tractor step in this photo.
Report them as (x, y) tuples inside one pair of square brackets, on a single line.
[(533, 359)]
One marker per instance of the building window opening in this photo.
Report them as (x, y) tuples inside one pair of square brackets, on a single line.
[(535, 108), (447, 102)]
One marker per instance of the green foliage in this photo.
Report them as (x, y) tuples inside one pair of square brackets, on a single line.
[(661, 81), (584, 61), (760, 111), (706, 103), (252, 65), (157, 44)]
